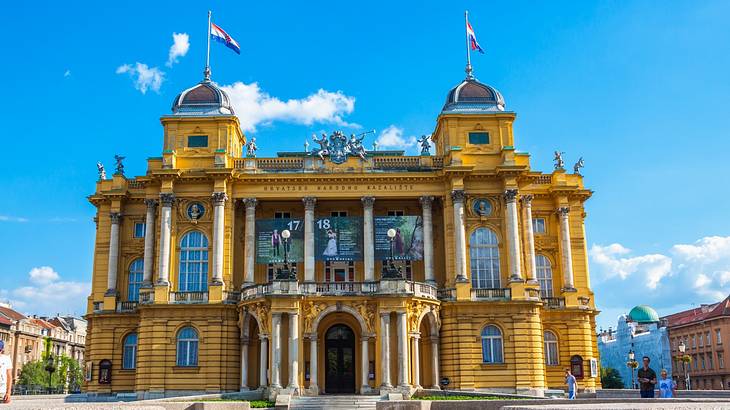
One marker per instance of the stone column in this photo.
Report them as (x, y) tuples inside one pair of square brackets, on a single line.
[(426, 205), (365, 365), (313, 363), (219, 206), (457, 197), (112, 267), (309, 203), (567, 254), (385, 350), (163, 267), (249, 247), (275, 350), (149, 241), (368, 237), (402, 350), (532, 266), (293, 352), (513, 236), (244, 364), (435, 363), (416, 362), (263, 360)]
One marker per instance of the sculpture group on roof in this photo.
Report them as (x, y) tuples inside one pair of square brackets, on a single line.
[(337, 147)]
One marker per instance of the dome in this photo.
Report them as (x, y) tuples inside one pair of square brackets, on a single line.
[(643, 314), (205, 98), (472, 96)]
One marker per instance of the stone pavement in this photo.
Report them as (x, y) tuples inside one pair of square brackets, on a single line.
[(629, 406)]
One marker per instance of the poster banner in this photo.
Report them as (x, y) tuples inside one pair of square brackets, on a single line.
[(270, 244), (338, 239), (408, 241)]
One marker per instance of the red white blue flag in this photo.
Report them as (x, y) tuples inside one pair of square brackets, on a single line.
[(218, 34), (473, 39)]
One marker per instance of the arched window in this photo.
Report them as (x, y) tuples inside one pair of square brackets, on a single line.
[(576, 366), (129, 353), (492, 344), (193, 262), (484, 255), (136, 273), (551, 349), (544, 275), (187, 347)]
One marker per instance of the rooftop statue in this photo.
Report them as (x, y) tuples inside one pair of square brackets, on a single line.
[(120, 166), (425, 145), (338, 148), (559, 163), (251, 148), (355, 146), (102, 171), (578, 165)]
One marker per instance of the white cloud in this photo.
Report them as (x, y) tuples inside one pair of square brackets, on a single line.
[(46, 294), (67, 73), (254, 106), (43, 275), (180, 47), (144, 77), (6, 218), (392, 137), (655, 266)]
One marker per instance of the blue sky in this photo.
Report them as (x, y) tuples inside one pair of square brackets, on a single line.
[(638, 89)]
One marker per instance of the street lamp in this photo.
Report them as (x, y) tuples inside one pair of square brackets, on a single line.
[(685, 359), (633, 364), (284, 272), (50, 368), (391, 271)]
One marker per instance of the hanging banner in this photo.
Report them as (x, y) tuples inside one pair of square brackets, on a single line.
[(338, 239), (408, 240), (270, 244)]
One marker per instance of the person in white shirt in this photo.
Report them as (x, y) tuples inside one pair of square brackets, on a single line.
[(6, 374)]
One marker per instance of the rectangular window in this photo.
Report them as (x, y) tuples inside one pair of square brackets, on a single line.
[(538, 225), (709, 339), (338, 214), (703, 361), (694, 341), (709, 361), (720, 361), (396, 213), (197, 141), (702, 338), (478, 138), (694, 361), (139, 229), (282, 215), (718, 337)]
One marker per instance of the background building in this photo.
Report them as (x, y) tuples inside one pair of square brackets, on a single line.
[(642, 332), (702, 330)]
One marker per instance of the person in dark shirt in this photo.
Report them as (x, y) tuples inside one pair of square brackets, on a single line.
[(647, 380)]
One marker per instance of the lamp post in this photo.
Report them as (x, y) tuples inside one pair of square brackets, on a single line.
[(685, 359), (50, 368), (633, 364), (391, 271), (284, 272)]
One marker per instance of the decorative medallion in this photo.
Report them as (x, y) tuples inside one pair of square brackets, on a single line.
[(195, 211), (481, 207)]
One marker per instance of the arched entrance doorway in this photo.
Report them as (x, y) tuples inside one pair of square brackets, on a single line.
[(339, 360)]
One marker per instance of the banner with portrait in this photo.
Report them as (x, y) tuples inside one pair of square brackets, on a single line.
[(270, 244), (338, 239), (408, 240)]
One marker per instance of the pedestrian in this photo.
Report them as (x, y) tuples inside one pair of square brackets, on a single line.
[(667, 386), (572, 384), (647, 379), (6, 374)]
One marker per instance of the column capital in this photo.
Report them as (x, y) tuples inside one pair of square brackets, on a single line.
[(309, 203), (219, 198), (368, 201), (167, 199), (426, 201), (458, 195), (263, 337), (250, 203), (116, 217), (151, 203), (510, 195), (526, 200), (563, 211)]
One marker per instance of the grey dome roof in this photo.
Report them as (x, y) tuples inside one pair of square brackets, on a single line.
[(205, 98), (471, 96)]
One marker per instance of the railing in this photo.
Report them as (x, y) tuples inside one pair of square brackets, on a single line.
[(125, 307), (146, 298), (98, 307), (255, 291), (491, 294), (532, 293), (269, 164), (135, 184), (188, 297), (339, 288), (231, 297), (424, 290), (544, 180), (418, 289), (446, 294), (553, 303), (408, 163), (300, 163)]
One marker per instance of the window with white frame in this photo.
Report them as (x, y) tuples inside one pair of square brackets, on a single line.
[(492, 345), (134, 279), (538, 225), (551, 349), (193, 271), (139, 229), (709, 338), (544, 275), (718, 337), (129, 352), (484, 258), (720, 361), (702, 338), (187, 347)]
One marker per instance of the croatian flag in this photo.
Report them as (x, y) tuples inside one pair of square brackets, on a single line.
[(473, 39), (221, 36)]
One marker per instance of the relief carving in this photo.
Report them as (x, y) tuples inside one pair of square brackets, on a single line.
[(311, 312)]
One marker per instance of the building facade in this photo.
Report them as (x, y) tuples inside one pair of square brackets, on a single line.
[(340, 270), (642, 332), (702, 330)]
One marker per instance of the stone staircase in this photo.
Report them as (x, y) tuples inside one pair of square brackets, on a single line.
[(333, 402)]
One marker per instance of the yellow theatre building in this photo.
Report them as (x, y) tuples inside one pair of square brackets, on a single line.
[(340, 269)]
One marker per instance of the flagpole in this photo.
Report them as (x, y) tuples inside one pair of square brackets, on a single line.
[(468, 45), (206, 73)]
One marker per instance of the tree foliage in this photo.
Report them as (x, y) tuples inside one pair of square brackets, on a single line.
[(67, 375), (611, 378)]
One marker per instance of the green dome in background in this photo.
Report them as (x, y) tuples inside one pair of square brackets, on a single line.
[(643, 314)]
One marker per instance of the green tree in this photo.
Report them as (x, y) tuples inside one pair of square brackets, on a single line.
[(611, 378), (68, 374)]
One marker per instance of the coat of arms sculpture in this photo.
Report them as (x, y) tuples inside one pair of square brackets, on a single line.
[(338, 148)]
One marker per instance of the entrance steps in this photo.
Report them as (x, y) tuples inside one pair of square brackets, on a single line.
[(333, 402)]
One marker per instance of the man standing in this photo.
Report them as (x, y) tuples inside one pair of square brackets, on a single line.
[(647, 380), (6, 374), (572, 384)]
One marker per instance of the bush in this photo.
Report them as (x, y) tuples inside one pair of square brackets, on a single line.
[(611, 378)]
